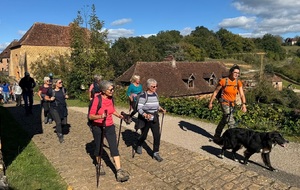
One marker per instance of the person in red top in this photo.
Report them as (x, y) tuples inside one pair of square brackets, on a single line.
[(233, 87), (94, 87), (103, 118)]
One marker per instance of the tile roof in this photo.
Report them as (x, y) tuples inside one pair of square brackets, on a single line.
[(6, 52), (41, 34), (171, 78)]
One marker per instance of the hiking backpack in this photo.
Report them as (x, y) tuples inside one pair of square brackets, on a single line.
[(96, 89), (220, 93)]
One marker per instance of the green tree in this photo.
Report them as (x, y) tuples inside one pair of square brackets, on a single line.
[(202, 38), (272, 46), (57, 64), (89, 52), (165, 41)]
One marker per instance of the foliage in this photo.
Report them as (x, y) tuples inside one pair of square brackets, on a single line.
[(57, 64), (89, 52), (272, 46), (269, 117), (291, 70)]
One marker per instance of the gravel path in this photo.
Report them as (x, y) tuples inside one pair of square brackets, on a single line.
[(194, 134)]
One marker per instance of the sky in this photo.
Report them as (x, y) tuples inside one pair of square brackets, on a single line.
[(131, 18)]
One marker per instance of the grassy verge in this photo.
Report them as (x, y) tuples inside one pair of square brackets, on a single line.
[(27, 167)]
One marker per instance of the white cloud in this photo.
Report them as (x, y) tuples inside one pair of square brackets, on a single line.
[(121, 22), (21, 32), (186, 31), (277, 17), (114, 34), (238, 22), (3, 46)]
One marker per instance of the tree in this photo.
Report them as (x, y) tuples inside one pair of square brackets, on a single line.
[(272, 46), (58, 64), (89, 52), (204, 39)]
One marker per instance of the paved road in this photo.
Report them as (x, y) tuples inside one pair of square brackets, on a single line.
[(190, 160)]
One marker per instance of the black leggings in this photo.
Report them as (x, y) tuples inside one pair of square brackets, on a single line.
[(154, 126), (111, 137)]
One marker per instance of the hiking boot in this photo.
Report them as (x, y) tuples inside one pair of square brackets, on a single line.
[(126, 118), (102, 172), (122, 175), (139, 150), (60, 137), (157, 157)]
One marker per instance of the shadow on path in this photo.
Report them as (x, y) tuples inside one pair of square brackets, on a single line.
[(191, 127)]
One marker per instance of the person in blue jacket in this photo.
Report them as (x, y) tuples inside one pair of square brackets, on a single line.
[(133, 90)]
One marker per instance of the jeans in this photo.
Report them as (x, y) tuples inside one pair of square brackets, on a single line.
[(5, 97)]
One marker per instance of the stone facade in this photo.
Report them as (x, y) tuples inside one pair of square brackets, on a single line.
[(24, 56), (39, 41)]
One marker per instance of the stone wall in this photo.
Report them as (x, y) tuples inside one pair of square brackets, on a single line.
[(22, 58)]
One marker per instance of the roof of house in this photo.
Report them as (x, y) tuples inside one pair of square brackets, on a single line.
[(41, 34), (172, 80), (276, 78), (6, 52)]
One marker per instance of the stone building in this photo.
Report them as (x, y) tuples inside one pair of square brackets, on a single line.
[(39, 41), (5, 59)]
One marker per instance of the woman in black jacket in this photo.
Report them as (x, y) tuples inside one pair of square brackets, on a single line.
[(58, 106)]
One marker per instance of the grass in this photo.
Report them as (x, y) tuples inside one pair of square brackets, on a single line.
[(27, 167)]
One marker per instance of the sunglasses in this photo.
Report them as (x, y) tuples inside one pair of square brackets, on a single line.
[(60, 82), (154, 86), (112, 89)]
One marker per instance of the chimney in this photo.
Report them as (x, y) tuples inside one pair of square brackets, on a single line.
[(173, 62)]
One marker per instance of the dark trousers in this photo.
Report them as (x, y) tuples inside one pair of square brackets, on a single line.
[(111, 137), (58, 120), (132, 104), (46, 107), (154, 126), (28, 96)]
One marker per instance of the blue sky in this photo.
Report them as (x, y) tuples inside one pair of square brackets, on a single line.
[(249, 18)]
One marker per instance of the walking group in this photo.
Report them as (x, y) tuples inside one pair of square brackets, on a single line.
[(144, 102), (102, 108), (146, 105)]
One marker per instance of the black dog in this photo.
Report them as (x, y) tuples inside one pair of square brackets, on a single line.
[(254, 142)]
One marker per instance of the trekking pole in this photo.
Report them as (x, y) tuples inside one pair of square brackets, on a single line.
[(162, 121), (101, 149), (119, 132)]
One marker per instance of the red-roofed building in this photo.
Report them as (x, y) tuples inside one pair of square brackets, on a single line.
[(178, 79)]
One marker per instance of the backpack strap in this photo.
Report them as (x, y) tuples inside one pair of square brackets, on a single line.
[(99, 103)]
